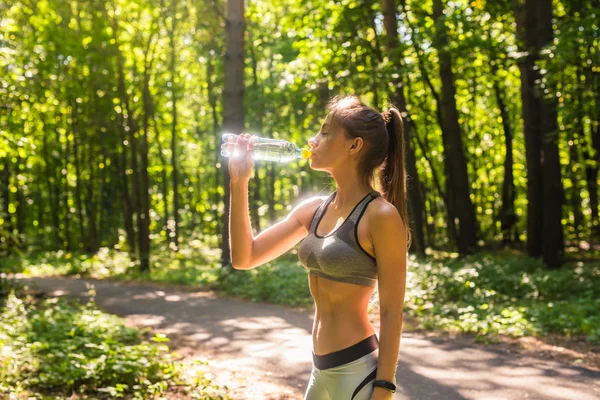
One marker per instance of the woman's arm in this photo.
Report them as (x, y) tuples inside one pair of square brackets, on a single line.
[(389, 241), (247, 251), (240, 232)]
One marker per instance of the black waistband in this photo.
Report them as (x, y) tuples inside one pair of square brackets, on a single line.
[(346, 355)]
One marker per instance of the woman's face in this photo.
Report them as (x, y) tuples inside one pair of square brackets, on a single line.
[(330, 147)]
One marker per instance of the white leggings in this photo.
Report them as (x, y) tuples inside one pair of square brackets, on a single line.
[(349, 381)]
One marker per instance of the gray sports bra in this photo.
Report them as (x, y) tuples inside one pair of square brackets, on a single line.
[(339, 256)]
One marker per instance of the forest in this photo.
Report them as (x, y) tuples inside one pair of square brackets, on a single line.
[(112, 115), (112, 112)]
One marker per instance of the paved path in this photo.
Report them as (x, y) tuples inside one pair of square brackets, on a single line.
[(272, 345)]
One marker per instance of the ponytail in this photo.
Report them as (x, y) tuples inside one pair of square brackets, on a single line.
[(382, 161), (392, 178)]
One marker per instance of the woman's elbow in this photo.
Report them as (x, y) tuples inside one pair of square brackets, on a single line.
[(239, 265)]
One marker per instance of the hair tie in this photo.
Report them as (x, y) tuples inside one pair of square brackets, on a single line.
[(387, 116)]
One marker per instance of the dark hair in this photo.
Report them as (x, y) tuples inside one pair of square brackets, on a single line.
[(383, 151)]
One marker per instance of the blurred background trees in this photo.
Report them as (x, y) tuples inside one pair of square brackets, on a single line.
[(111, 115)]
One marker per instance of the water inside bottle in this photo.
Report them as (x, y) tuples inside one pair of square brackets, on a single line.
[(279, 151), (267, 149)]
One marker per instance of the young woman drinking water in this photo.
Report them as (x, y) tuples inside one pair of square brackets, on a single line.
[(352, 241)]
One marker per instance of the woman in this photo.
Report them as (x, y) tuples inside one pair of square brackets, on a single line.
[(345, 258)]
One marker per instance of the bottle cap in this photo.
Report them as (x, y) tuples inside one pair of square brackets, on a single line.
[(306, 153)]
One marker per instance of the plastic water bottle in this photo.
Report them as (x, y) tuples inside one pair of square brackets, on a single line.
[(278, 150)]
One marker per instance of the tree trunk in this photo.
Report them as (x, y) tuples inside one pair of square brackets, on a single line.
[(87, 193), (212, 100), (432, 211), (95, 201), (130, 121), (545, 193), (590, 163), (126, 206), (592, 175), (448, 203), (415, 201), (373, 60), (575, 192), (233, 94), (40, 232), (92, 206), (101, 200), (174, 234), (525, 16), (81, 243), (7, 226), (553, 248), (49, 178), (271, 193), (457, 182), (164, 178), (508, 216), (127, 203), (596, 144), (144, 216), (65, 191), (255, 197)]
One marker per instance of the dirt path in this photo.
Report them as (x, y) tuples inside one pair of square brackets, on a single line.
[(262, 351)]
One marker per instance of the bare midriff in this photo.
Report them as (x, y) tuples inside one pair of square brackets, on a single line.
[(341, 318)]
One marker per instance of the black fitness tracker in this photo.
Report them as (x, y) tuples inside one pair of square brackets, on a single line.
[(385, 384)]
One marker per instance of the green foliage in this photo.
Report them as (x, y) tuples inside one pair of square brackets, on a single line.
[(67, 156), (505, 294), (190, 265), (59, 347), (281, 282)]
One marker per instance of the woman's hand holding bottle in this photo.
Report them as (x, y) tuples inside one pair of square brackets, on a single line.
[(240, 166)]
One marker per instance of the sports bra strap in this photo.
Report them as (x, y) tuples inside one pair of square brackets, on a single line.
[(357, 208)]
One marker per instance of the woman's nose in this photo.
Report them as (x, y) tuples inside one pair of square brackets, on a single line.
[(312, 142)]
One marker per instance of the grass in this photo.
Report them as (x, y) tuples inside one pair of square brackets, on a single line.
[(54, 348), (483, 294)]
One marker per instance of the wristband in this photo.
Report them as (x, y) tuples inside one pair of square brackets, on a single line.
[(385, 384)]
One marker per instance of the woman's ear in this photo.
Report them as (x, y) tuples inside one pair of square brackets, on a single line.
[(356, 145)]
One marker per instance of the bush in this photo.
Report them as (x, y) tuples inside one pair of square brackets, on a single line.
[(59, 347), (487, 293), (284, 282)]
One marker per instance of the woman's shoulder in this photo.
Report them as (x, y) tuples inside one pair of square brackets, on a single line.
[(306, 209), (380, 208), (381, 204), (311, 201)]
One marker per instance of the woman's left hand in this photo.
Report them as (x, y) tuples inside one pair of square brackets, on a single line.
[(382, 394)]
